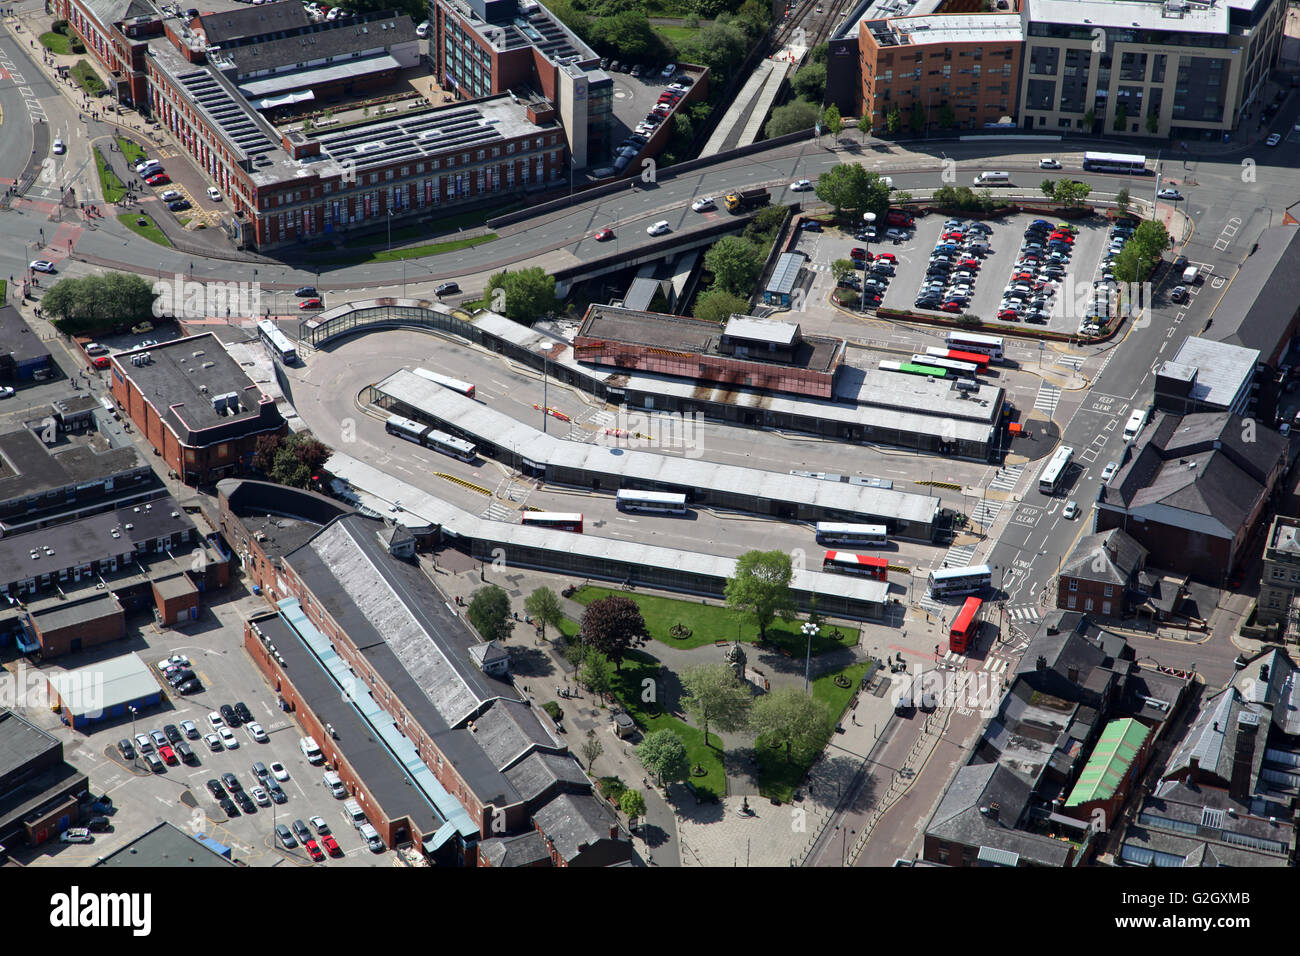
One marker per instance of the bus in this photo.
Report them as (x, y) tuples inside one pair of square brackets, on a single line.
[(1115, 163), (990, 345), (1054, 472), (555, 520), (965, 626), (978, 359), (955, 581), (961, 368), (858, 535), (430, 437), (912, 368), (849, 563), (455, 384), (276, 342), (654, 502)]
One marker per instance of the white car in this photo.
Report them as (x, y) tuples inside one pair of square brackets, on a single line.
[(215, 721), (1169, 194), (659, 228), (802, 186), (888, 181), (1273, 139), (176, 659), (214, 743), (1071, 510), (6, 391), (1049, 164), (278, 771), (261, 796), (59, 148), (143, 743), (76, 835), (148, 167), (41, 265), (256, 732), (189, 729), (213, 194), (171, 195), (1108, 472), (227, 738), (703, 203)]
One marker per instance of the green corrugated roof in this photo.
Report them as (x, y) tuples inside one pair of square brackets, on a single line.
[(1110, 760)]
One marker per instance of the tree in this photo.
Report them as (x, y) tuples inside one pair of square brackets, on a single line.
[(864, 125), (842, 268), (1153, 122), (714, 696), (820, 53), (528, 294), (663, 754), (1089, 120), (632, 802), (544, 606), (761, 588), (718, 305), (719, 46), (99, 302), (613, 625), (573, 18), (290, 461), (810, 82), (850, 186), (789, 718), (947, 117), (596, 673), (917, 120), (832, 122), (1048, 186), (627, 34), (489, 608), (735, 263), (1122, 200), (794, 117), (894, 119), (1121, 118), (591, 749), (264, 450)]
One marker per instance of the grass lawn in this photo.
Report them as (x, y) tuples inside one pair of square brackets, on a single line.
[(108, 182), (149, 231), (710, 623), (56, 42), (133, 153), (413, 252), (629, 684), (776, 777), (464, 220), (87, 78), (678, 35)]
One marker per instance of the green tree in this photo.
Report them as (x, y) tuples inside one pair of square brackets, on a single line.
[(1153, 123), (810, 82), (626, 34), (762, 228), (1122, 200), (613, 625), (290, 461), (526, 294), (917, 120), (947, 117), (893, 119), (789, 718), (820, 53), (1048, 186), (596, 672), (841, 268), (1121, 118), (1070, 192), (543, 606), (100, 302), (719, 46), (864, 125), (1089, 120), (735, 263), (591, 749), (573, 18), (714, 696), (793, 117), (632, 803), (761, 588), (489, 609), (663, 754), (718, 305), (850, 186), (832, 122)]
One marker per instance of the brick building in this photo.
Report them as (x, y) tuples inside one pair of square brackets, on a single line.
[(1279, 579), (195, 405), (1102, 575), (40, 792)]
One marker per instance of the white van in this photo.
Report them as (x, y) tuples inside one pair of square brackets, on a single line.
[(992, 179), (311, 750), (1135, 423), (1190, 275), (335, 784), (372, 838), (355, 813), (422, 30)]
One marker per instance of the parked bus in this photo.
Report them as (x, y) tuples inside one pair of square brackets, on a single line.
[(555, 520), (456, 385), (430, 437), (965, 626), (912, 368), (654, 502), (1135, 423), (990, 345), (276, 342), (961, 368), (849, 563), (1115, 163), (978, 359), (955, 581), (1054, 472), (857, 535)]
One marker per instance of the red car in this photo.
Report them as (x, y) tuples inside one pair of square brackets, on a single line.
[(953, 236), (605, 235), (951, 307), (100, 361), (331, 845), (886, 256), (158, 179), (968, 264), (168, 755), (309, 304), (857, 252), (1008, 315), (314, 850), (1063, 236)]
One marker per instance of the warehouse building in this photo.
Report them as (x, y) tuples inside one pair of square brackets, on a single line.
[(107, 690)]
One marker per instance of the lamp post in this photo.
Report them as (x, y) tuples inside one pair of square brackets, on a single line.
[(546, 351), (809, 629), (868, 218), (137, 744)]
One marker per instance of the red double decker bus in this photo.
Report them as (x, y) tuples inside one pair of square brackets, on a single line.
[(848, 563), (965, 626)]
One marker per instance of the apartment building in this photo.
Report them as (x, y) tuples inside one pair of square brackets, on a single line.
[(1279, 580)]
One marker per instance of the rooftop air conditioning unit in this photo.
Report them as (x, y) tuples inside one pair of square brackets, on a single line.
[(198, 354)]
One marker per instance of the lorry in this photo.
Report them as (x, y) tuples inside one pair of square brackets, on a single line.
[(747, 199)]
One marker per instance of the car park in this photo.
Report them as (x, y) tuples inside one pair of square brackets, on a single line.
[(256, 732), (285, 837)]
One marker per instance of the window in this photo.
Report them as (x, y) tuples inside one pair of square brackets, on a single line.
[(1074, 584), (1073, 602), (1109, 590)]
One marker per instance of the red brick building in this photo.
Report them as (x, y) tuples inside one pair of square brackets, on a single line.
[(1101, 576)]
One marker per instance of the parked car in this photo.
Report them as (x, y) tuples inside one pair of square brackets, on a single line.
[(285, 837), (190, 730), (99, 824), (179, 205), (76, 835), (189, 687), (229, 740), (256, 732), (331, 845), (214, 743), (154, 764), (214, 194), (158, 179), (125, 748), (261, 797), (276, 791), (278, 771)]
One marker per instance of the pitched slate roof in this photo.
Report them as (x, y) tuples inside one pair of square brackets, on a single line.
[(1108, 557)]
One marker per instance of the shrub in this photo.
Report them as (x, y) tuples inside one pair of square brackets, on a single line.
[(77, 47), (553, 710), (60, 26), (611, 788)]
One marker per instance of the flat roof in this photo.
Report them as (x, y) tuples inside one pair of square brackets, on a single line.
[(938, 397), (165, 845), (761, 330), (21, 742), (1128, 14), (53, 617), (103, 685), (29, 467), (1223, 370), (786, 273), (487, 424), (17, 337), (952, 28)]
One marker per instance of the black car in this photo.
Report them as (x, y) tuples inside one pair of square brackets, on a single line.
[(882, 269), (189, 687), (260, 771), (285, 837), (301, 830), (228, 805), (228, 715), (99, 824), (155, 764), (810, 225), (173, 733), (245, 802), (215, 788), (186, 753), (181, 676), (305, 292), (125, 748), (849, 282), (276, 791), (448, 288), (244, 714), (177, 205), (232, 782)]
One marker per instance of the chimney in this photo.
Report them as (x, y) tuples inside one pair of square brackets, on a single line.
[(1193, 768), (1263, 672), (1041, 663), (1243, 756), (613, 831)]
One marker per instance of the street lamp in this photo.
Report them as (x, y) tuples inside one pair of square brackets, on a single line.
[(546, 351), (868, 218), (133, 740), (809, 629)]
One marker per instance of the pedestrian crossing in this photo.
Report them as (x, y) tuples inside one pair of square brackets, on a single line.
[(1024, 612), (1007, 478), (959, 557), (1072, 361), (496, 511), (957, 662), (985, 512), (1048, 397), (930, 606)]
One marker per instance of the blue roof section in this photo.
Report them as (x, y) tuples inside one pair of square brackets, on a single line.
[(399, 747)]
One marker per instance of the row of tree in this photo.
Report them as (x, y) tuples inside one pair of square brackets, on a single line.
[(99, 303)]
